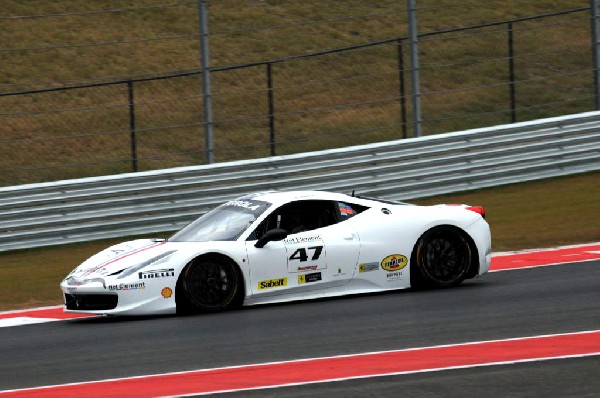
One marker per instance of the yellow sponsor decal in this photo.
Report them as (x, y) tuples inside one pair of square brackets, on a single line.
[(167, 292), (394, 262), (271, 283)]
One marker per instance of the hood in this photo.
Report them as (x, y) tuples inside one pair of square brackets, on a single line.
[(122, 256)]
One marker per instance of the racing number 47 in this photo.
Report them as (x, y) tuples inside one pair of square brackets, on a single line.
[(302, 255)]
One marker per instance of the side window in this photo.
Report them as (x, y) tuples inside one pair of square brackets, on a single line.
[(347, 210), (300, 216)]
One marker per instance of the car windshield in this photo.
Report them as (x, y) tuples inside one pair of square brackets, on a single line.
[(225, 223)]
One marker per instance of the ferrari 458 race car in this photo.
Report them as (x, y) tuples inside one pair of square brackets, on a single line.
[(282, 246)]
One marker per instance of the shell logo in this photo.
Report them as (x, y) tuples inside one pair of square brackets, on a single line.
[(167, 292), (394, 262)]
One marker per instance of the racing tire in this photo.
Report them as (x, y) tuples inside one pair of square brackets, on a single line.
[(208, 284), (442, 257)]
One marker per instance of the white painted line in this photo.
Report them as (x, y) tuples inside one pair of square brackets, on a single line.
[(581, 335), (23, 320), (53, 307), (541, 265), (386, 375), (545, 249)]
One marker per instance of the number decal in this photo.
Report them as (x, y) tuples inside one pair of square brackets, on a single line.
[(302, 255), (299, 254), (317, 253)]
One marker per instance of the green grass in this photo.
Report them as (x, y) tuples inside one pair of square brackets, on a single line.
[(320, 103), (538, 214)]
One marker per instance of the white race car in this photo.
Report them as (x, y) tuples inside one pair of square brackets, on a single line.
[(281, 246)]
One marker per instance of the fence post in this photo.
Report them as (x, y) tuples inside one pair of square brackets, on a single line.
[(414, 70), (206, 94), (596, 51), (271, 108), (511, 75), (134, 163), (402, 88)]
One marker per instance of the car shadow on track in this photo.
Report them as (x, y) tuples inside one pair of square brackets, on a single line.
[(467, 286)]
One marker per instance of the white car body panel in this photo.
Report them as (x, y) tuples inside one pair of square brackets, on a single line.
[(368, 252)]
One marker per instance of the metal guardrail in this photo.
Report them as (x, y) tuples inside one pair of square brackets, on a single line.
[(150, 202)]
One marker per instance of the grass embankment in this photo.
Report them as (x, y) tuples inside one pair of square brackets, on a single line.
[(539, 214), (330, 101)]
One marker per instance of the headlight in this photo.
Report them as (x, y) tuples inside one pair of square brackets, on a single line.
[(154, 260)]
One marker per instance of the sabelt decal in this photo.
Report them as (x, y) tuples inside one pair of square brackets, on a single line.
[(394, 262), (368, 267), (167, 292), (272, 283), (308, 278)]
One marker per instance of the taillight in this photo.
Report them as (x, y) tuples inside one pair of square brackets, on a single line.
[(477, 209)]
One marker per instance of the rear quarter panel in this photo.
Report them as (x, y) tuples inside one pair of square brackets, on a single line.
[(396, 234)]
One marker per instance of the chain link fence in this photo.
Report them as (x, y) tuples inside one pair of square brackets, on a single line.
[(286, 78)]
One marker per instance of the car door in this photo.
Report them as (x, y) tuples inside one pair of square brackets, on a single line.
[(319, 253)]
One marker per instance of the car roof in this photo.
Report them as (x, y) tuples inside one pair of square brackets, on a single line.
[(282, 197)]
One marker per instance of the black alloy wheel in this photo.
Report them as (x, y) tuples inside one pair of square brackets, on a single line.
[(211, 284), (442, 258)]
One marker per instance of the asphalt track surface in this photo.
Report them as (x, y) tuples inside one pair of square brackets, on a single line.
[(509, 304)]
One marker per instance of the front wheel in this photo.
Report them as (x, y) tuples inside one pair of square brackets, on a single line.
[(441, 258), (210, 283)]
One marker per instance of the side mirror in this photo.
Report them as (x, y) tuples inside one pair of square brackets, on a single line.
[(271, 235)]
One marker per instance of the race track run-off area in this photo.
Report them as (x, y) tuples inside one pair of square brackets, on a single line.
[(354, 365)]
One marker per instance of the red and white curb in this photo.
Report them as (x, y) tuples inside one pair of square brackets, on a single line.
[(36, 315), (330, 369), (500, 262), (545, 257)]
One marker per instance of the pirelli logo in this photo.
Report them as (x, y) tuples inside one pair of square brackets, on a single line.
[(271, 283)]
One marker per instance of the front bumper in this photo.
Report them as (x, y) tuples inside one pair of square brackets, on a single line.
[(90, 301), (107, 297)]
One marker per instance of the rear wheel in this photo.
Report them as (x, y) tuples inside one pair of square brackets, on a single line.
[(441, 258), (210, 283)]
